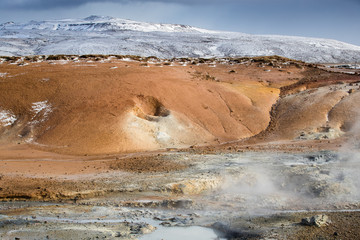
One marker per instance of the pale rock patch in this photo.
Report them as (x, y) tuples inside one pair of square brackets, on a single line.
[(7, 118)]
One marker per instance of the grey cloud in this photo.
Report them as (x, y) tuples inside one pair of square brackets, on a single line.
[(50, 4), (42, 4)]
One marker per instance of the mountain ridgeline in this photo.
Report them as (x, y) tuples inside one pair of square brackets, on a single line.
[(107, 35)]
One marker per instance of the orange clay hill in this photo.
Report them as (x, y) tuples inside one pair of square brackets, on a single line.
[(114, 104)]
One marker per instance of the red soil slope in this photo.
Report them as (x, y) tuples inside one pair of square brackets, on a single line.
[(116, 105)]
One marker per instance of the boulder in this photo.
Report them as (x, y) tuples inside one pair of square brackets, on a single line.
[(317, 220)]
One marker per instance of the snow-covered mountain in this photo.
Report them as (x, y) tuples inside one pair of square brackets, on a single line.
[(107, 35)]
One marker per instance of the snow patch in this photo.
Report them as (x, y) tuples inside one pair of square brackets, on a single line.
[(127, 60), (106, 35), (43, 107), (3, 74), (7, 118), (63, 62)]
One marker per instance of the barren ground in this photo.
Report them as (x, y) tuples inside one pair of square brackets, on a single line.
[(244, 148)]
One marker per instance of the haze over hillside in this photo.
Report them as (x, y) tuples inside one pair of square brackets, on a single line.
[(107, 35)]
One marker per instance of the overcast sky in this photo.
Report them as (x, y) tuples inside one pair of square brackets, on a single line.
[(335, 19)]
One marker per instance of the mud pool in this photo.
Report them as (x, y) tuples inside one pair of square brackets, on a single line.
[(218, 197)]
